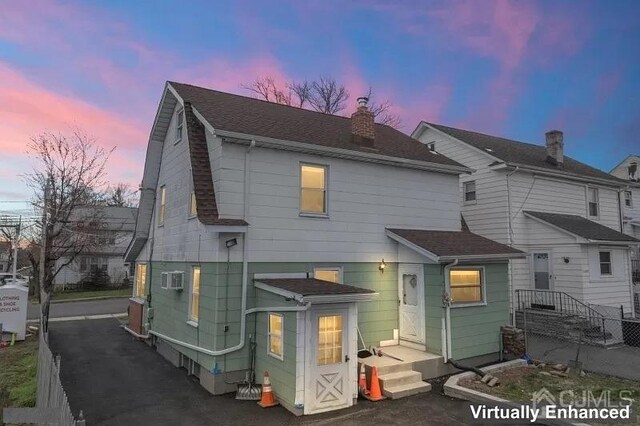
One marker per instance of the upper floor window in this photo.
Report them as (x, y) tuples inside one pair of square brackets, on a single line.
[(330, 273), (179, 124), (605, 263), (628, 201), (431, 146), (192, 204), (469, 189), (163, 205), (313, 189), (592, 200)]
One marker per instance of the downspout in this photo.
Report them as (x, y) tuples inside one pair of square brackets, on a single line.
[(510, 244), (446, 299)]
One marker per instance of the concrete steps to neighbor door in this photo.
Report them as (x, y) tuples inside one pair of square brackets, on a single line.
[(399, 380)]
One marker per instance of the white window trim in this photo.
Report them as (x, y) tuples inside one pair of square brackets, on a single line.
[(588, 189), (630, 206), (271, 354), (339, 269), (303, 213), (483, 287), (464, 193), (163, 188), (179, 113), (192, 320), (610, 274)]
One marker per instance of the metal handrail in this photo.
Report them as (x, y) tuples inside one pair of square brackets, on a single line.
[(558, 301)]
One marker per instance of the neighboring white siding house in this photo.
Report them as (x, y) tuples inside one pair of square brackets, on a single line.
[(107, 255), (513, 179)]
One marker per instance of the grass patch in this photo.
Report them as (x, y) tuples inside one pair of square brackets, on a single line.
[(86, 294), (18, 374)]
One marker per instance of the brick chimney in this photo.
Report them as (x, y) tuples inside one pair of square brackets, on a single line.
[(363, 128), (555, 147)]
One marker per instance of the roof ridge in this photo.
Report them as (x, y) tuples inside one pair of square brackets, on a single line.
[(491, 136), (274, 103)]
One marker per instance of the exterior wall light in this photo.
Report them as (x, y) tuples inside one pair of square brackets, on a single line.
[(382, 266)]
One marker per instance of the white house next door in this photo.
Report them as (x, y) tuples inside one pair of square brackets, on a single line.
[(411, 303), (328, 381)]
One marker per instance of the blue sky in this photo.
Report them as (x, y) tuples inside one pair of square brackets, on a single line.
[(514, 69)]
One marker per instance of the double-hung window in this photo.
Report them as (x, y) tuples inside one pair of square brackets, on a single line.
[(194, 300), (179, 125), (628, 201), (469, 189), (467, 285), (163, 205), (275, 346), (592, 200), (313, 189), (605, 263)]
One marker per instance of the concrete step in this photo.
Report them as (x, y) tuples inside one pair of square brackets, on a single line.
[(393, 368), (399, 378), (405, 390)]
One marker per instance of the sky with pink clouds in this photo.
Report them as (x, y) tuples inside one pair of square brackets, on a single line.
[(515, 69)]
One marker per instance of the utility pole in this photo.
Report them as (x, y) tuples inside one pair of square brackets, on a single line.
[(43, 244), (15, 249)]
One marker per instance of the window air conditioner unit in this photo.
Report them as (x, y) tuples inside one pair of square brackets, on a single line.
[(173, 280)]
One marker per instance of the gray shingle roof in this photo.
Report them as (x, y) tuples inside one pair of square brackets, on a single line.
[(312, 286), (241, 114), (516, 152), (582, 227), (454, 243)]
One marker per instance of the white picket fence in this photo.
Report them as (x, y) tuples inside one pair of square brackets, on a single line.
[(51, 394)]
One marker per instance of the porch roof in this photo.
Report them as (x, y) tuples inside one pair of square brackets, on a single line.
[(443, 246), (314, 290), (581, 227)]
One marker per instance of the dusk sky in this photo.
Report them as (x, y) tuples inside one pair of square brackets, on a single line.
[(514, 69)]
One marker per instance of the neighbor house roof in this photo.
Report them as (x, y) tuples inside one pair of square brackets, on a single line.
[(520, 153), (581, 227), (206, 206), (313, 289), (256, 117), (447, 245)]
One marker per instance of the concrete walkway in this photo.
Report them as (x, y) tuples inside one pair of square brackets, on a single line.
[(118, 380)]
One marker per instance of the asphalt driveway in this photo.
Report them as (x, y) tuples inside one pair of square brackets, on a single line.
[(117, 380), (87, 307)]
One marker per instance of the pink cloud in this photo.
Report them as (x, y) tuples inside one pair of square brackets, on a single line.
[(28, 109)]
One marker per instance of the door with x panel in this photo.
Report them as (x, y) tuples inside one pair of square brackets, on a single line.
[(328, 361)]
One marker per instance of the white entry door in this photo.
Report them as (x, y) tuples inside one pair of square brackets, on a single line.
[(328, 384), (411, 302), (541, 271)]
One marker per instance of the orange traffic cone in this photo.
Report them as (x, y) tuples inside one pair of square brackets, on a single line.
[(362, 383), (374, 391), (268, 399)]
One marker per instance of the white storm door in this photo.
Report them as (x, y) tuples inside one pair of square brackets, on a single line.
[(541, 271), (411, 303), (328, 383)]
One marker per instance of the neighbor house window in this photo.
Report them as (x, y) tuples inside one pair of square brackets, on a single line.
[(194, 301), (163, 205), (466, 285), (592, 199), (192, 204), (605, 263), (276, 329), (141, 279), (333, 274), (313, 189), (179, 125), (469, 191), (431, 146), (628, 202)]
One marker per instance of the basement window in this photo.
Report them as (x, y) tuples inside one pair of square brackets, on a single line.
[(605, 263), (469, 189), (275, 346), (467, 286)]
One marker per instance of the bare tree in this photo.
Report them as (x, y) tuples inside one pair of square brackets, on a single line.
[(324, 95), (120, 195), (66, 181)]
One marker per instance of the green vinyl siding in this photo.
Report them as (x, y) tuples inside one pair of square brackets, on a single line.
[(282, 373), (434, 312)]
